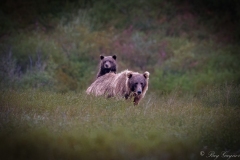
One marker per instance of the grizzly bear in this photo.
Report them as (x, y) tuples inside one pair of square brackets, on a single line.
[(126, 84), (107, 64)]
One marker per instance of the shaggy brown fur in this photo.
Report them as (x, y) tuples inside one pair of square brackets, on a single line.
[(126, 84), (107, 64)]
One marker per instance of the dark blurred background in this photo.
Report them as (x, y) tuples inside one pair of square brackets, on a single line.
[(55, 45)]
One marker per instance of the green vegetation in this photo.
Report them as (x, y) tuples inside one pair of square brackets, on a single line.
[(171, 42), (42, 125), (49, 54)]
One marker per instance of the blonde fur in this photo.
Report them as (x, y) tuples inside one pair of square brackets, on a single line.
[(117, 85)]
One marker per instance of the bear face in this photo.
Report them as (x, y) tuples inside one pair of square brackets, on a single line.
[(107, 64), (137, 84)]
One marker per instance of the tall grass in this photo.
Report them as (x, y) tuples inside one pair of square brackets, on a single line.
[(40, 125)]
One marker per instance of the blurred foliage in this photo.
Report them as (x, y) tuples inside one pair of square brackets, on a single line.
[(56, 45)]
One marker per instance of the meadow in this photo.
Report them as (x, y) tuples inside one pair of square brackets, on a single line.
[(49, 55), (47, 125)]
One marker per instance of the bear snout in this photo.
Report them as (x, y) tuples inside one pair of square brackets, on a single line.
[(107, 65), (139, 92), (139, 89)]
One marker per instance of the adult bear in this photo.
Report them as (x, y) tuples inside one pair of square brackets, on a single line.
[(126, 84), (107, 64)]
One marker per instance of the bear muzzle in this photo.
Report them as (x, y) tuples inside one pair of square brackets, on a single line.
[(139, 92), (139, 89), (107, 65)]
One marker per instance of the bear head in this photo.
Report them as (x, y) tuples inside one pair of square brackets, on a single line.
[(138, 83), (107, 64)]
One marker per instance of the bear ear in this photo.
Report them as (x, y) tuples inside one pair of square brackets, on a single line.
[(146, 74), (129, 74), (101, 57), (114, 57)]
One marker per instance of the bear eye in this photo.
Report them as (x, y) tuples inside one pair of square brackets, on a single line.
[(136, 83)]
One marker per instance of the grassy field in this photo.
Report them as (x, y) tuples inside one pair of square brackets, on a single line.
[(49, 53), (48, 125)]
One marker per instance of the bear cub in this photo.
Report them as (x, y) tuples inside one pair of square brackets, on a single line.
[(107, 64)]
